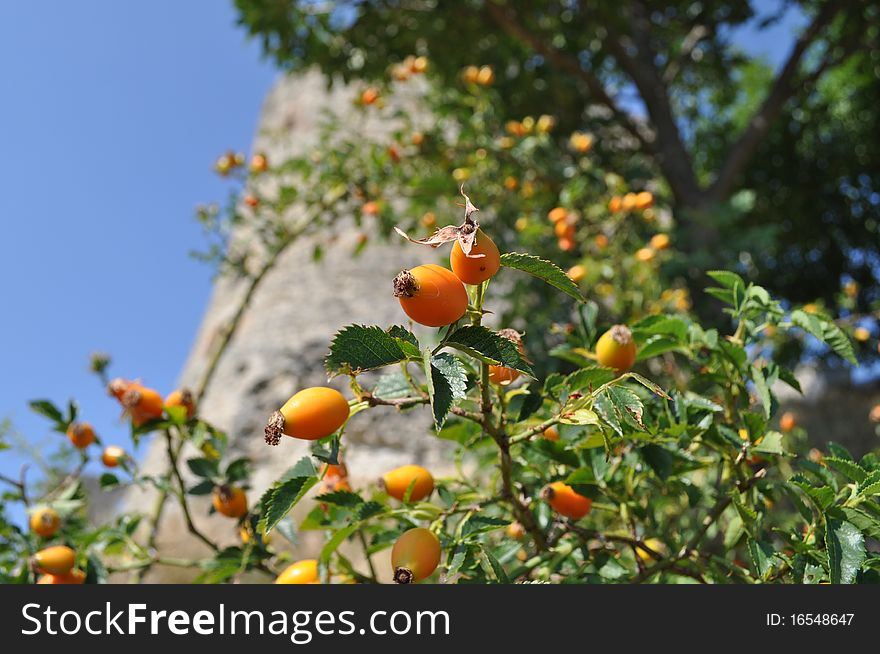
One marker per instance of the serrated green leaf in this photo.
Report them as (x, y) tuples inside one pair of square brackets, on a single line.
[(788, 377), (771, 443), (762, 555), (839, 451), (657, 345), (478, 524), (278, 500), (392, 386), (340, 498), (531, 402), (580, 417), (358, 348), (544, 270), (821, 496), (870, 485), (763, 390), (495, 566), (488, 346), (626, 404), (447, 383), (647, 383), (238, 469), (865, 522), (588, 378), (204, 487), (846, 551), (849, 469)]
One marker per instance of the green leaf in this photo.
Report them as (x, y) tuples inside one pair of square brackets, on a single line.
[(279, 499), (478, 524), (865, 522), (108, 480), (495, 566), (531, 402), (788, 377), (544, 270), (727, 279), (338, 538), (821, 496), (763, 390), (238, 469), (657, 345), (846, 551), (447, 383), (204, 487), (670, 326), (647, 383), (870, 485), (488, 346), (368, 510), (626, 404), (580, 417), (203, 467), (825, 331), (392, 386), (357, 348), (341, 498), (762, 555), (589, 377), (839, 451), (771, 443), (47, 409), (850, 470)]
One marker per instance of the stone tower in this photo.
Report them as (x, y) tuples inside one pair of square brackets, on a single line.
[(282, 339)]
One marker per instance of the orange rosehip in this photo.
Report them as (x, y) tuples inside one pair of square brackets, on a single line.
[(576, 273), (230, 501), (311, 414), (252, 201), (616, 349), (56, 560), (81, 434), (482, 263), (565, 501), (470, 74), (566, 244), (369, 96), (645, 255), (431, 295), (557, 214), (74, 577), (551, 434), (45, 522), (182, 397), (142, 404), (370, 208), (643, 200), (259, 163), (615, 204), (486, 76), (515, 530), (787, 422), (112, 456), (117, 387), (398, 481), (874, 415), (415, 555), (301, 572), (659, 241)]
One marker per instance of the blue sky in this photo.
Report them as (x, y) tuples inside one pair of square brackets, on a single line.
[(112, 115)]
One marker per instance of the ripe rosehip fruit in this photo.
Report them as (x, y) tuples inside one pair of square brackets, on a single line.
[(73, 577), (565, 501), (369, 96), (311, 414), (117, 387), (334, 470), (259, 163), (182, 397), (81, 434), (551, 434), (787, 422), (431, 295), (45, 522), (398, 481), (301, 572), (415, 555), (645, 255), (230, 501), (142, 404), (515, 530), (481, 265), (502, 375), (616, 349), (112, 455), (576, 273), (56, 560), (644, 200), (659, 241)]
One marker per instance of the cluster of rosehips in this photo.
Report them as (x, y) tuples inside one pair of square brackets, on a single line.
[(433, 296), (231, 161), (478, 75), (56, 565), (410, 66)]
